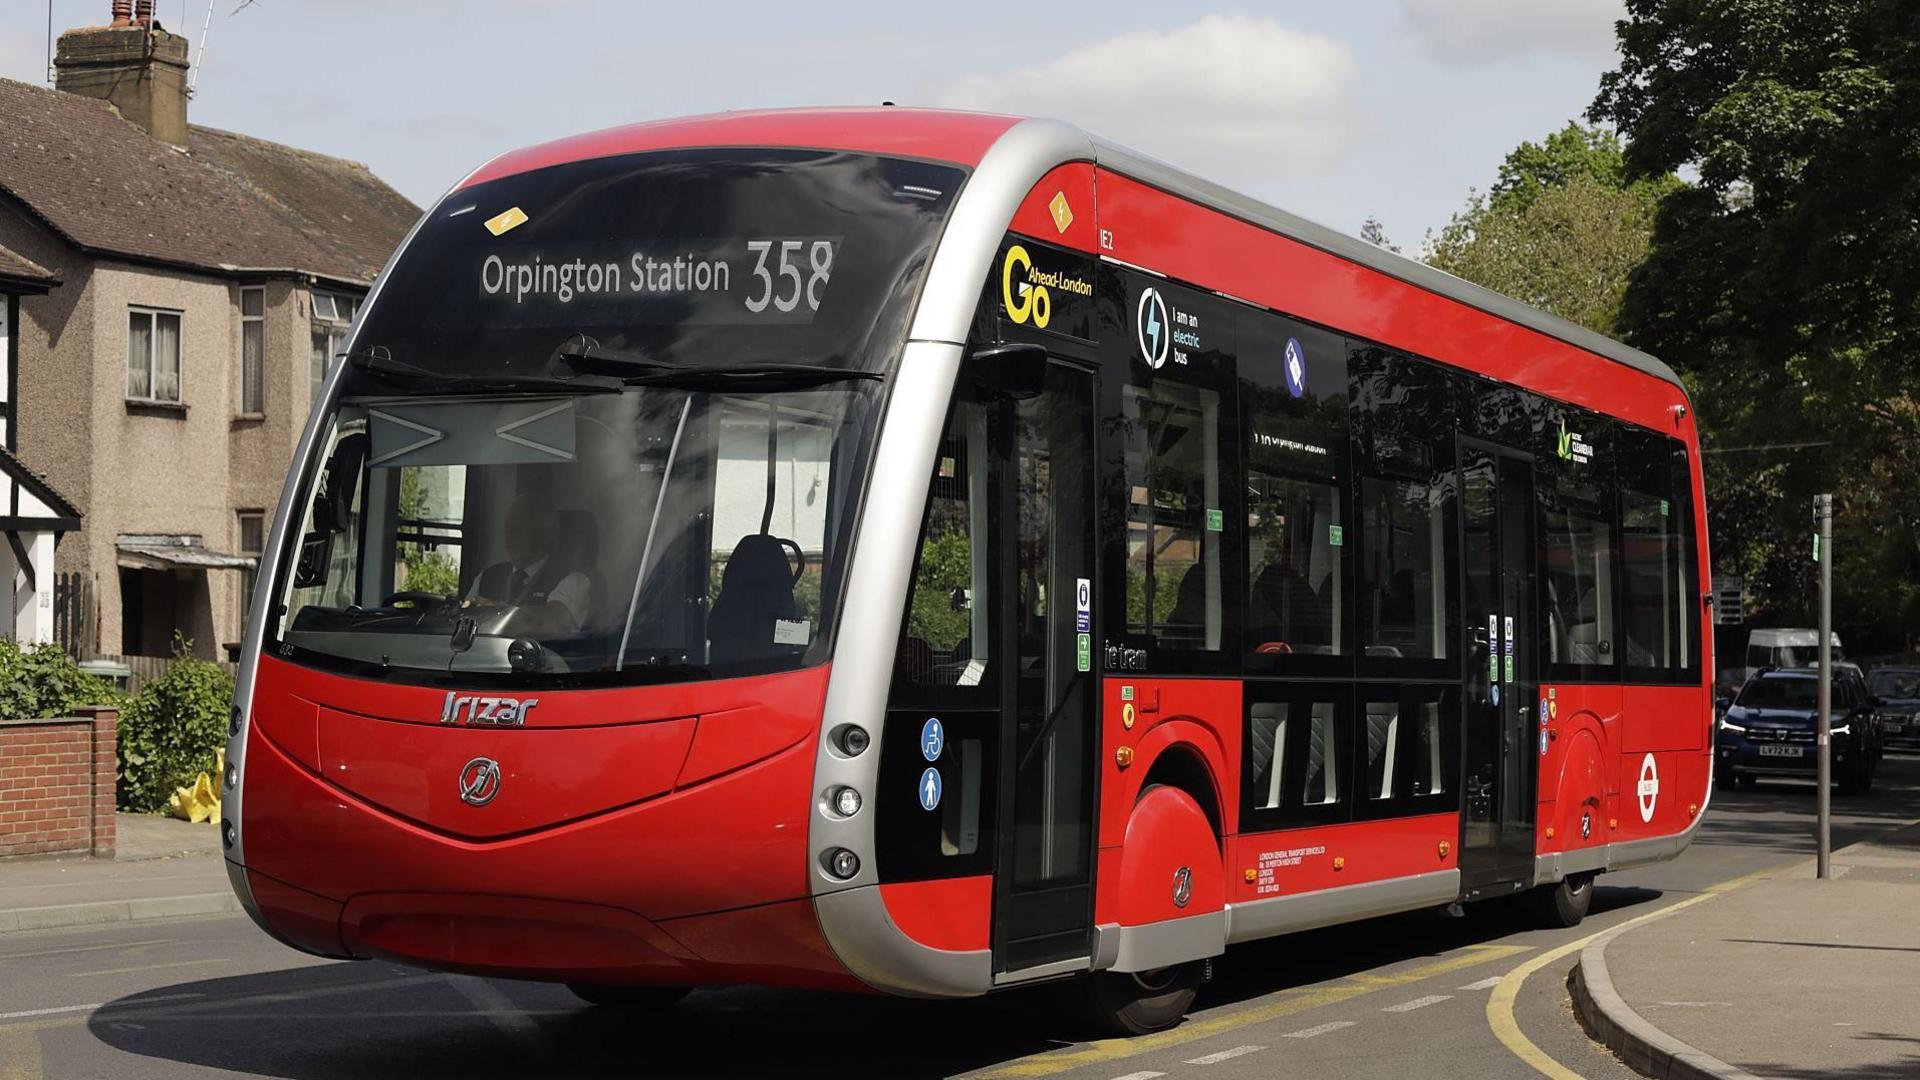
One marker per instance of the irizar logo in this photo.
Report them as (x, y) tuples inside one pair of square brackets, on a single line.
[(477, 711), (1151, 322)]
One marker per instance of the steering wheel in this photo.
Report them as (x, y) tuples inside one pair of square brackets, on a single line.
[(1271, 648), (799, 558), (416, 597)]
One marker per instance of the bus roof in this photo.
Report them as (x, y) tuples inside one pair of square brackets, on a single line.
[(964, 138)]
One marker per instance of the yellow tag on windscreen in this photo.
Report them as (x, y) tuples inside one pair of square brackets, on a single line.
[(506, 221)]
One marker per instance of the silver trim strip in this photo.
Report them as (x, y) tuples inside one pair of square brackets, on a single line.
[(1310, 911), (869, 944), (866, 939), (1551, 868), (1156, 945), (1156, 173), (263, 598)]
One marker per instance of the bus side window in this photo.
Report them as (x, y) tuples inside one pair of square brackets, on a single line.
[(1300, 756), (1175, 524), (1660, 617), (945, 639)]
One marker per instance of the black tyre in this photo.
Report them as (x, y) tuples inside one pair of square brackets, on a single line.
[(1564, 904), (1142, 1002), (634, 998)]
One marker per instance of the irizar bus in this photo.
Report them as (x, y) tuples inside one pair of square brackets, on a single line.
[(929, 552)]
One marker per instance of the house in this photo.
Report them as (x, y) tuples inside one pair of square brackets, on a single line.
[(33, 516), (205, 280)]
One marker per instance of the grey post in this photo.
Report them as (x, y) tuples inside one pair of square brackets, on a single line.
[(1823, 551)]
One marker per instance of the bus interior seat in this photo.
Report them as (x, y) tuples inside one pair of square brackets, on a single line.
[(756, 591)]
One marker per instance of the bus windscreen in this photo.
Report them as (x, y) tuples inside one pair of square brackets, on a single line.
[(606, 423)]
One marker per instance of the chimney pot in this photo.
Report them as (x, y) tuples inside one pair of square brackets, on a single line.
[(122, 12), (143, 13)]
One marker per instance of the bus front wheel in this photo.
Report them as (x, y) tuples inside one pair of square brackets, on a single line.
[(1564, 903), (633, 998), (1143, 1002)]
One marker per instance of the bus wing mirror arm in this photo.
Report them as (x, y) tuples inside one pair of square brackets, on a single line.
[(1013, 369)]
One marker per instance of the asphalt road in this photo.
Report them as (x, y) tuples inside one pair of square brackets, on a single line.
[(1404, 996)]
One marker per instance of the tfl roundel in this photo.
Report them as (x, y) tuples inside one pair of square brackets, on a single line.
[(1150, 321)]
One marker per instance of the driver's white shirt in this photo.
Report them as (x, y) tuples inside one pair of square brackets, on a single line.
[(571, 592)]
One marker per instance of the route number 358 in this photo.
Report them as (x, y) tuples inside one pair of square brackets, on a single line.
[(806, 284)]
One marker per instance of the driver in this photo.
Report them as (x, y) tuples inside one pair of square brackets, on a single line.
[(533, 577)]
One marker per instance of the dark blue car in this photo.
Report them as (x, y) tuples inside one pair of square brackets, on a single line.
[(1896, 696), (1769, 731)]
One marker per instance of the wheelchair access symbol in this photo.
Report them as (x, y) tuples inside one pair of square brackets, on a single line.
[(933, 739)]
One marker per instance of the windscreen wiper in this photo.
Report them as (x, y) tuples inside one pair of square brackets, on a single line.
[(378, 361), (582, 354), (750, 376)]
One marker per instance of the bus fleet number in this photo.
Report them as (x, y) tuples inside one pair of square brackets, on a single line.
[(806, 286)]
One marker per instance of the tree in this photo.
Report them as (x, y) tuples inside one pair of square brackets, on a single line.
[(1786, 284), (1561, 229), (1376, 234)]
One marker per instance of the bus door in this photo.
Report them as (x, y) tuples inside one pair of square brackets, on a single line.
[(1499, 554), (1043, 478)]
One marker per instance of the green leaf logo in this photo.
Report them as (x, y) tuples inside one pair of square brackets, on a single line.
[(1566, 443)]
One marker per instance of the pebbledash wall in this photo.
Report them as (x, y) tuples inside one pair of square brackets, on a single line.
[(57, 784)]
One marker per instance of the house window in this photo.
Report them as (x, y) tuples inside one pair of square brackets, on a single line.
[(252, 529), (153, 355), (253, 347), (332, 314)]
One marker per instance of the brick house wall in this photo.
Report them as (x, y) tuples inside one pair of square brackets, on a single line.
[(57, 784)]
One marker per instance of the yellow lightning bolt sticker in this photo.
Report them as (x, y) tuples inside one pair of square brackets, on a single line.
[(506, 221), (1062, 213)]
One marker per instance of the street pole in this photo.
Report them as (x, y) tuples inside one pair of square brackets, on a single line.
[(1823, 553)]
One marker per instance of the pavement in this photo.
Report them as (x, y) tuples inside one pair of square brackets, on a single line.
[(1777, 975), (164, 868), (1419, 994)]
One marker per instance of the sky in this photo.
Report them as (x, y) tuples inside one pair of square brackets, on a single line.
[(1389, 108)]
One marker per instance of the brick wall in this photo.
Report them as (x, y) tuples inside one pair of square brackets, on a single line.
[(57, 784)]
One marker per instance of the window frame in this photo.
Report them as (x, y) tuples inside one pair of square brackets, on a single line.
[(249, 579), (257, 367), (1405, 693), (1603, 434), (153, 315), (1648, 460), (1300, 698), (333, 327)]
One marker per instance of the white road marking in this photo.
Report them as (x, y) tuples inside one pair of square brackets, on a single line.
[(1484, 984), (89, 948), (1418, 1003), (148, 967), (1225, 1055), (1143, 1075), (1318, 1029), (50, 1012)]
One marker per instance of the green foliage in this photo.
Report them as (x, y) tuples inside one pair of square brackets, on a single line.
[(42, 681), (172, 729), (946, 564), (423, 569), (1784, 285)]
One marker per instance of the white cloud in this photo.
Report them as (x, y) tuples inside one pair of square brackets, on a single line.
[(1232, 97), (1471, 32)]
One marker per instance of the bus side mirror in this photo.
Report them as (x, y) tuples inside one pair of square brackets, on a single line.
[(316, 551), (1012, 369)]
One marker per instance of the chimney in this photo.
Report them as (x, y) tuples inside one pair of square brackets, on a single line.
[(132, 63)]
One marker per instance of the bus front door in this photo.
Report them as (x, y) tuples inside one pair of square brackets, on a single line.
[(1043, 881), (1498, 560)]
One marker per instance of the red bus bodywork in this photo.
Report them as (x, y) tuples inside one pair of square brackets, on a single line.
[(671, 835)]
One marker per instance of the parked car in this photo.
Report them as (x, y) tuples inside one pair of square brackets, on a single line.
[(1896, 695), (1769, 730)]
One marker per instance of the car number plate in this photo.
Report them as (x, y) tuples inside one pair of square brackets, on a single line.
[(1893, 729), (1779, 751)]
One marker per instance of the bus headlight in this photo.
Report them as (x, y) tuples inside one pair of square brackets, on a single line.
[(526, 655), (846, 801), (841, 863), (854, 740), (233, 721)]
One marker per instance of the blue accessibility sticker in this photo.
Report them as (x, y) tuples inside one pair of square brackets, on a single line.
[(930, 789), (1296, 365), (1496, 693), (933, 739)]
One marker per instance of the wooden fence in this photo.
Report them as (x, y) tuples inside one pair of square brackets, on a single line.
[(76, 615)]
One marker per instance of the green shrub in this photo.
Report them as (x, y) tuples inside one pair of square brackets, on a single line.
[(42, 681), (172, 729)]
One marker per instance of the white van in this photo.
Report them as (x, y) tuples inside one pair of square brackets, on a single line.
[(1788, 648)]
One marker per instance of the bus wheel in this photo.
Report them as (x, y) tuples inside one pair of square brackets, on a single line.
[(1143, 1002), (1563, 904), (633, 998)]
